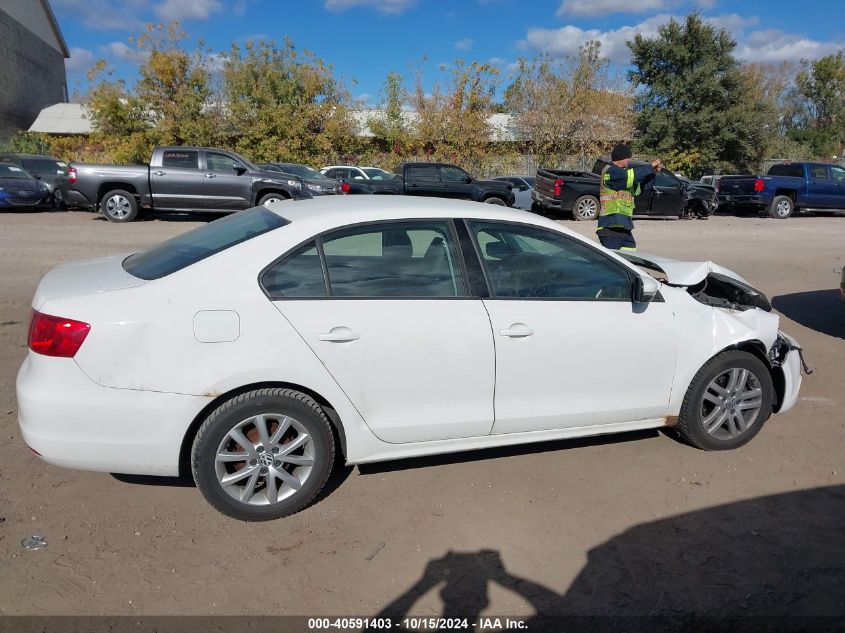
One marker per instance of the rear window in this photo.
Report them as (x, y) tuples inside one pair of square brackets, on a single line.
[(205, 241), (43, 165), (789, 169)]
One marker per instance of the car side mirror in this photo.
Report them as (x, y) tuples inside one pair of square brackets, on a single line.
[(240, 170), (468, 180), (523, 188), (36, 176), (645, 289)]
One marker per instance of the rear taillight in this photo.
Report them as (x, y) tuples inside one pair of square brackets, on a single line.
[(559, 182), (56, 336), (71, 175), (344, 187), (758, 185)]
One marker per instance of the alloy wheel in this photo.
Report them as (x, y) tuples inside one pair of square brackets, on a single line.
[(587, 209), (118, 206), (731, 403), (264, 459)]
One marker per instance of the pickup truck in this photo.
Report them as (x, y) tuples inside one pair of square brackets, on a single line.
[(437, 179), (179, 179), (788, 187), (577, 193)]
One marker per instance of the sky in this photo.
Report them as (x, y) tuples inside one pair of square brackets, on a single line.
[(364, 40)]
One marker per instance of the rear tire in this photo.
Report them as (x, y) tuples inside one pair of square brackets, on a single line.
[(271, 480), (585, 208), (119, 205), (781, 208), (727, 402), (538, 208)]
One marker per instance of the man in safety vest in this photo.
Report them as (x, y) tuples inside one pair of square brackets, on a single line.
[(618, 187)]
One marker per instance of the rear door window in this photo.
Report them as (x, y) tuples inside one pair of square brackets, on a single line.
[(787, 169), (405, 259), (297, 276), (422, 172), (186, 249), (819, 172), (180, 159)]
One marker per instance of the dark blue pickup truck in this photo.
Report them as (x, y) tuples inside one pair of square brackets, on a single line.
[(787, 188)]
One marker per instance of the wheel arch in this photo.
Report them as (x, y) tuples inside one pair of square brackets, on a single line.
[(105, 187), (758, 349), (196, 423), (277, 190)]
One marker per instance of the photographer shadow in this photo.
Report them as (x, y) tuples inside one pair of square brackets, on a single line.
[(773, 563)]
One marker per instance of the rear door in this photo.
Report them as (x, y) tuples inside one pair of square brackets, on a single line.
[(422, 180), (228, 183), (394, 325), (837, 179), (824, 191), (178, 183)]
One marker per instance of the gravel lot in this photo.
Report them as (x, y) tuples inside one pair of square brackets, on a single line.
[(633, 524)]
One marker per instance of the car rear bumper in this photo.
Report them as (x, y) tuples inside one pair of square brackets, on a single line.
[(727, 198), (72, 422), (75, 198)]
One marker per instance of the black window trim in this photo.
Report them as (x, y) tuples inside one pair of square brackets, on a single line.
[(319, 239), (492, 295)]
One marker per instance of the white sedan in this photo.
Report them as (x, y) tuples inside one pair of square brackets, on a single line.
[(252, 349)]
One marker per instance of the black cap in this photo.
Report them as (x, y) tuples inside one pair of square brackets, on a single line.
[(620, 152)]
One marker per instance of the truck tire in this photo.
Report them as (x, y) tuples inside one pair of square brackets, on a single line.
[(118, 205), (538, 208), (781, 208), (585, 208), (495, 200)]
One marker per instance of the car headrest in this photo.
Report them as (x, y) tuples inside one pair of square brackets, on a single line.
[(497, 250)]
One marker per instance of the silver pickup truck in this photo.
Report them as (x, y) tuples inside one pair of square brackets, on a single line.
[(179, 179)]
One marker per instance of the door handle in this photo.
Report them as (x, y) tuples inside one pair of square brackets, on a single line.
[(211, 175), (338, 335), (517, 330), (657, 192), (160, 173)]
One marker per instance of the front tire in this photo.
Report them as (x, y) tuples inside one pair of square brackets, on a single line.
[(781, 208), (727, 402), (270, 198), (119, 205), (585, 208), (263, 455)]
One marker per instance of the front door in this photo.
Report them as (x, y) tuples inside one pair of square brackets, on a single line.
[(394, 327), (177, 185), (667, 195), (571, 346), (228, 184), (456, 183)]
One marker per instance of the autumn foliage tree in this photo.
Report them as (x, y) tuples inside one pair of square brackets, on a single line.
[(570, 110)]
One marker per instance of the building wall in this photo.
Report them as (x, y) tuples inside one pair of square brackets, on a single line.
[(32, 76)]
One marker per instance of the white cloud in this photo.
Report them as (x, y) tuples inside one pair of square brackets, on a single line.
[(382, 6), (774, 45), (119, 50), (464, 44), (566, 41), (582, 8), (770, 45), (496, 61), (104, 15), (81, 59), (187, 9)]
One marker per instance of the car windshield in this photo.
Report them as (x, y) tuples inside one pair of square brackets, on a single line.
[(377, 174), (186, 249), (303, 171), (11, 171), (43, 165)]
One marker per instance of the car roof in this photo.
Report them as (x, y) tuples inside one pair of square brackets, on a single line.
[(327, 212)]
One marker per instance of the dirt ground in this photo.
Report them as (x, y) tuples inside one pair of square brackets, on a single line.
[(635, 524)]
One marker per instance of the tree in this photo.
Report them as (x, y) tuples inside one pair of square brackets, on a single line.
[(821, 83), (695, 105), (569, 111), (390, 128), (452, 123), (286, 105)]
